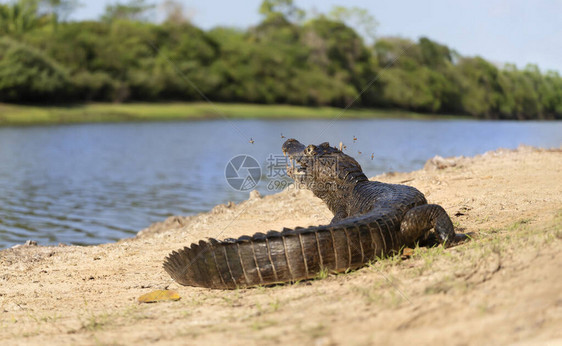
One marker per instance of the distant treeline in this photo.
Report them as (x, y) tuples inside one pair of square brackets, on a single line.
[(318, 61)]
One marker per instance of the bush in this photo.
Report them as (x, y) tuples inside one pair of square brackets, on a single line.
[(95, 86), (27, 75)]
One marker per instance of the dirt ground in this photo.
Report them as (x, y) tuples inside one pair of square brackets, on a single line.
[(502, 287)]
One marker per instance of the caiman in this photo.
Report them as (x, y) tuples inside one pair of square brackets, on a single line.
[(371, 219)]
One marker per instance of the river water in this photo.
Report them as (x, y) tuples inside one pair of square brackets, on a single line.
[(96, 183)]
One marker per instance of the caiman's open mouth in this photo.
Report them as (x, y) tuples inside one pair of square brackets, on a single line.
[(297, 162), (293, 148)]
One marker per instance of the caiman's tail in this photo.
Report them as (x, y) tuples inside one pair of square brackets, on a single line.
[(278, 257)]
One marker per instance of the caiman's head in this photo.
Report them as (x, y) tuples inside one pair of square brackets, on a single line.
[(321, 168)]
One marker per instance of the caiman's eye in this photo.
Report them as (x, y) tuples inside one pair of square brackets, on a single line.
[(324, 145), (310, 150)]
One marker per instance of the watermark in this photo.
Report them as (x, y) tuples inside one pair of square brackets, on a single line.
[(277, 166), (243, 173)]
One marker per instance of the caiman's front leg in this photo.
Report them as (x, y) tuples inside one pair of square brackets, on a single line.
[(340, 215), (419, 220)]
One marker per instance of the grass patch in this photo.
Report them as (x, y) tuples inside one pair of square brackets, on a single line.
[(382, 293), (45, 318), (322, 274), (262, 324), (11, 114), (95, 322), (479, 259), (458, 269), (233, 299), (268, 307)]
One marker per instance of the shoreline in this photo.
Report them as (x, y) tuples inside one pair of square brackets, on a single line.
[(498, 288), (28, 115)]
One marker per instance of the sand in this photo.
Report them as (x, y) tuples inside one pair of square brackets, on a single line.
[(502, 287)]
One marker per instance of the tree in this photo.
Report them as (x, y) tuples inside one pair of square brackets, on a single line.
[(551, 95), (135, 10), (433, 54), (481, 88), (27, 75), (174, 12), (19, 17), (59, 10), (358, 18), (397, 52), (272, 10), (341, 53)]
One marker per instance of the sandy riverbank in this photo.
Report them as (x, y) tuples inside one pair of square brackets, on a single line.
[(505, 286)]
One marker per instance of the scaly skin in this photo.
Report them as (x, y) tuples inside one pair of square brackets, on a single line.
[(371, 219)]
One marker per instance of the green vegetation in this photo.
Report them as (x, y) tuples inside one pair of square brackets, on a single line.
[(288, 58)]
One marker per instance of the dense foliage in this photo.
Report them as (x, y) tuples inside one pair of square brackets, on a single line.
[(284, 59)]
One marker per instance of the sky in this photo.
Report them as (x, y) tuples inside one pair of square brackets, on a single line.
[(501, 31)]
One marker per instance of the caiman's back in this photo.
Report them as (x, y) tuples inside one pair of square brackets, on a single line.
[(371, 196)]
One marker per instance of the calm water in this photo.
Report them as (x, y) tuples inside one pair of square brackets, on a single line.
[(89, 184)]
